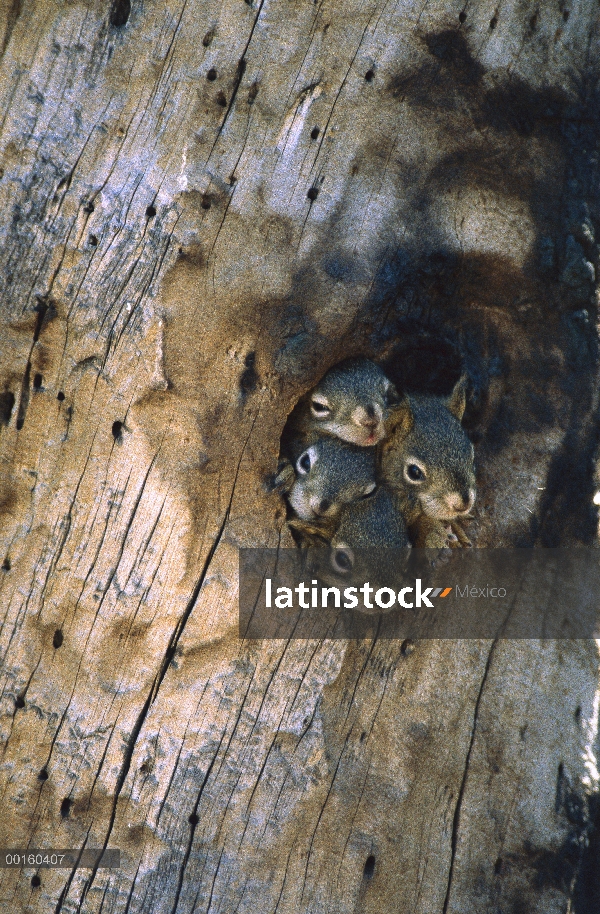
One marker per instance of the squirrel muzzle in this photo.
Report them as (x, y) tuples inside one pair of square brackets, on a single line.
[(370, 424), (460, 502)]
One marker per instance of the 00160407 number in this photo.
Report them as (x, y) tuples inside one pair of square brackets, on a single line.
[(67, 859)]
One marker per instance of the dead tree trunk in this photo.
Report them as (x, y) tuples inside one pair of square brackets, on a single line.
[(204, 206)]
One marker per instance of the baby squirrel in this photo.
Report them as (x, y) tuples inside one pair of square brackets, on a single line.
[(328, 454), (329, 474), (371, 523), (351, 402), (427, 461), (365, 528)]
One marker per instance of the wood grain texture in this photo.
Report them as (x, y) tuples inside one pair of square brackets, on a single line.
[(204, 206)]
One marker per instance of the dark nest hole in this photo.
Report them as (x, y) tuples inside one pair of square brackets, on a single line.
[(427, 364)]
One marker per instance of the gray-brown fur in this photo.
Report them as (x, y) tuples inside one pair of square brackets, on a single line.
[(428, 460), (330, 474), (351, 402), (372, 522), (366, 527)]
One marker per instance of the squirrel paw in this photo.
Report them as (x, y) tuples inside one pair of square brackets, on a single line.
[(460, 536), (283, 480), (428, 533)]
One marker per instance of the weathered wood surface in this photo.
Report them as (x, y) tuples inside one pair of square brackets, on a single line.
[(181, 257)]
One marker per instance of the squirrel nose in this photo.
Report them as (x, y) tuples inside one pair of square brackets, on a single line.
[(369, 419), (368, 416), (321, 506), (462, 501)]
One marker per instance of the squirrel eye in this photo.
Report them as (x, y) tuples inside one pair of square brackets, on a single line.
[(319, 408), (343, 559), (415, 473), (303, 465)]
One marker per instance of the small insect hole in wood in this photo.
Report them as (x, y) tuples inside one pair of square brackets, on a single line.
[(119, 13), (249, 377), (57, 639), (7, 403)]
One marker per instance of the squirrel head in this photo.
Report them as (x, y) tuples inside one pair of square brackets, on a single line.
[(367, 527), (352, 402), (373, 522), (330, 474), (428, 456)]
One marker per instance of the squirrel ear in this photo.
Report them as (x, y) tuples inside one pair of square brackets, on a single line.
[(457, 401), (392, 397), (283, 480), (401, 419)]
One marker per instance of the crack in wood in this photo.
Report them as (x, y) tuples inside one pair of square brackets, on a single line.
[(463, 783)]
